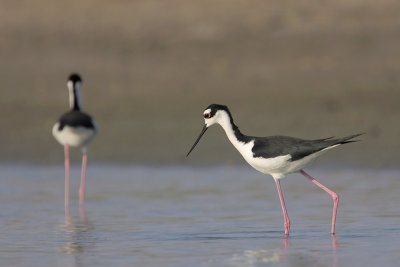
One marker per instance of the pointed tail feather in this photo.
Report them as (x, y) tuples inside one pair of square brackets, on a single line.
[(324, 139), (346, 139)]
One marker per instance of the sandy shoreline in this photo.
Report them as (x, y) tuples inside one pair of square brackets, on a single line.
[(149, 70)]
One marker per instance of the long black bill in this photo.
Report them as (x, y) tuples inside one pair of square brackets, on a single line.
[(198, 139)]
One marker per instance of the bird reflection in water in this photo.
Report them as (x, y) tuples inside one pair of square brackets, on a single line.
[(281, 255), (335, 245), (78, 233), (261, 256)]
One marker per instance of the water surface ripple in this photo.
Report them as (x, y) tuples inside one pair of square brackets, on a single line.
[(182, 216)]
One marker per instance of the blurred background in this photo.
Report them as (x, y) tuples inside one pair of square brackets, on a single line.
[(309, 69)]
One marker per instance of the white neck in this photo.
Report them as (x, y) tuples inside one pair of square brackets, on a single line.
[(74, 95), (225, 123)]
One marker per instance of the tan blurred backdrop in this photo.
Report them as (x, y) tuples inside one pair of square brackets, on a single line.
[(309, 69)]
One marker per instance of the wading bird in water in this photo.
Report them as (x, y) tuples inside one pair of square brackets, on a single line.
[(274, 155), (75, 129)]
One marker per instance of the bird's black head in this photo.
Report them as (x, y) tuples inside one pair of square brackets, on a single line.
[(212, 109), (75, 77), (213, 114)]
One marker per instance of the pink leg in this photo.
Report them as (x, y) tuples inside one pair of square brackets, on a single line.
[(66, 163), (285, 215), (334, 196), (83, 175)]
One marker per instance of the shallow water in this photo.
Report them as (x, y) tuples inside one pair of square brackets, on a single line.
[(182, 216)]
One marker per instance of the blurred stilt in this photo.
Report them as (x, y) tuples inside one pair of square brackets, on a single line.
[(66, 162)]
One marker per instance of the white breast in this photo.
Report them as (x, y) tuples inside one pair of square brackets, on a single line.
[(273, 166)]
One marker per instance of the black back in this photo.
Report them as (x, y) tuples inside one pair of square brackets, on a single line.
[(75, 118)]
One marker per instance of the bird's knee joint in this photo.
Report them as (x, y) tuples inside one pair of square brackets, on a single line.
[(335, 197)]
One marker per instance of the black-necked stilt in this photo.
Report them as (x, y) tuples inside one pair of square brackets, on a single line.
[(274, 155), (76, 129)]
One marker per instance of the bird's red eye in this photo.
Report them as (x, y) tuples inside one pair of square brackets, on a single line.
[(207, 115)]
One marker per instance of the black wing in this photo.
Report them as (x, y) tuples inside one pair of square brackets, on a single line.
[(274, 146)]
